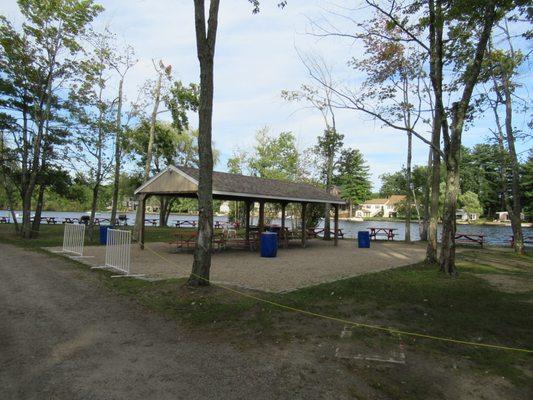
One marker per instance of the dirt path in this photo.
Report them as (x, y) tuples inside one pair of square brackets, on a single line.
[(65, 336)]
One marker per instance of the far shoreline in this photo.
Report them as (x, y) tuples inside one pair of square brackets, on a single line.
[(415, 221)]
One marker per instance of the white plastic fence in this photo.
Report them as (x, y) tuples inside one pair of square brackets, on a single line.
[(73, 239), (118, 250)]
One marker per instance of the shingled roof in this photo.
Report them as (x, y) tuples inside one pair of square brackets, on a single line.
[(226, 185)]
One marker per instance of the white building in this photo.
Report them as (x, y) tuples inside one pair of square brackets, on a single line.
[(380, 207), (503, 216), (462, 215), (224, 208)]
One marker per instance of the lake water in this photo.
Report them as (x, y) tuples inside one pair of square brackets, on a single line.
[(494, 234)]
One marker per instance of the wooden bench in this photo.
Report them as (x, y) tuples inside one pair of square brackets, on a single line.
[(469, 238)]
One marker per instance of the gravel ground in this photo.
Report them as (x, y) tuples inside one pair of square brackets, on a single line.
[(293, 268), (65, 336)]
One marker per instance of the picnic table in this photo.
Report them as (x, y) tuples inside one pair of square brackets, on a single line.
[(68, 220), (527, 240), (99, 221), (122, 218), (50, 220), (152, 221), (470, 238), (4, 220), (316, 232), (181, 224), (187, 240), (380, 231)]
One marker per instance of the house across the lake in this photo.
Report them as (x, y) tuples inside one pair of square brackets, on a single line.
[(380, 207), (503, 216), (462, 215)]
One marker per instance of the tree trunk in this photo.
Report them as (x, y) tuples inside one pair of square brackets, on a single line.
[(327, 207), (409, 197), (36, 224), (118, 155), (516, 209), (447, 256), (205, 44), (94, 204), (453, 143), (423, 228), (436, 23), (165, 204), (148, 163)]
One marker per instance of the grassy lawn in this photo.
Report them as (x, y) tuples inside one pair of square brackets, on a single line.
[(415, 298), (52, 235), (490, 302)]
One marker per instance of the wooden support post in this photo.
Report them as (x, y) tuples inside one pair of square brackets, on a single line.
[(336, 226), (142, 204), (304, 228), (283, 234), (261, 223), (248, 206)]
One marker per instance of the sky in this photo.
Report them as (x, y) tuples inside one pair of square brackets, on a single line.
[(256, 58)]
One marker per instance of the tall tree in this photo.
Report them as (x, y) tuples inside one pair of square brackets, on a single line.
[(206, 32), (503, 68), (392, 92), (527, 185), (329, 144), (38, 62), (458, 33), (93, 115), (352, 177), (121, 64), (475, 47), (155, 94)]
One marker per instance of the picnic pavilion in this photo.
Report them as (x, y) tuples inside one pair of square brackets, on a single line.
[(179, 181)]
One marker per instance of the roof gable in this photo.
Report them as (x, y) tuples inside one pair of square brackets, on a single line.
[(185, 180)]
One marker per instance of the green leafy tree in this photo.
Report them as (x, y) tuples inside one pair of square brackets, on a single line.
[(37, 64), (469, 201), (94, 118), (352, 177), (275, 157), (502, 68), (527, 185)]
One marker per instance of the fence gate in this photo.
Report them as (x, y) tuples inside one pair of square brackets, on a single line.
[(73, 239), (118, 251)]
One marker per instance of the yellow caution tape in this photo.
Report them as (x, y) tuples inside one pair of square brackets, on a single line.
[(352, 323)]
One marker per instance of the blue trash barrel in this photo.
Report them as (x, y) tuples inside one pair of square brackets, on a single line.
[(363, 239), (269, 244), (103, 233)]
